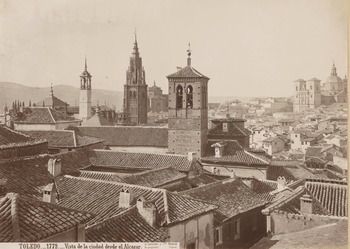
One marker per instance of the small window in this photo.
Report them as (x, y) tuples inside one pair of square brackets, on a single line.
[(237, 229), (218, 236), (254, 221)]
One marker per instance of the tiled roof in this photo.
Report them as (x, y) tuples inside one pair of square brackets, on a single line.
[(262, 188), (187, 72), (102, 198), (329, 198), (10, 138), (128, 226), (51, 101), (97, 120), (129, 160), (233, 130), (155, 178), (233, 154), (291, 173), (231, 196), (64, 138), (29, 175), (27, 220), (44, 115), (105, 176), (128, 136)]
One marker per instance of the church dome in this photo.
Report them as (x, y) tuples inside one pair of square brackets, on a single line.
[(333, 77)]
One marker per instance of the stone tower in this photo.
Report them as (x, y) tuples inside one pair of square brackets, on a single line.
[(85, 95), (188, 110), (307, 94), (135, 90)]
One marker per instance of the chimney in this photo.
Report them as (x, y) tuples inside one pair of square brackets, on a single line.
[(54, 166), (232, 174), (219, 148), (281, 183), (192, 156), (213, 170), (147, 210), (125, 198), (50, 193), (306, 204)]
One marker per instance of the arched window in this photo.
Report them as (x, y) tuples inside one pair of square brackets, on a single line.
[(179, 94), (189, 95)]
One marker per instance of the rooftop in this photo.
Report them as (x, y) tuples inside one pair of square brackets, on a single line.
[(27, 220), (43, 115)]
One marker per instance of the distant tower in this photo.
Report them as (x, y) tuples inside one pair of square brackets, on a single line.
[(188, 110), (307, 94), (85, 95), (135, 90)]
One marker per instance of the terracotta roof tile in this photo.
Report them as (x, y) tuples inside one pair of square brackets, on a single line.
[(128, 226), (102, 198), (27, 220), (187, 72), (128, 136), (46, 115), (64, 138), (105, 176), (262, 188), (51, 101), (231, 196), (233, 154), (128, 160)]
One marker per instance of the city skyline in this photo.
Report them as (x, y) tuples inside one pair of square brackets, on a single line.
[(245, 48)]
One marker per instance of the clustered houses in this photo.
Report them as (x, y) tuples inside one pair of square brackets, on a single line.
[(199, 186)]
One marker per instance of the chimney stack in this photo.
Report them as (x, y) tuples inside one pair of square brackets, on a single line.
[(50, 193), (125, 198), (306, 204), (192, 156), (147, 210), (54, 166), (281, 183)]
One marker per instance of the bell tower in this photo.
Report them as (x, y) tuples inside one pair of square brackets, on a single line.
[(135, 90), (188, 110), (85, 95)]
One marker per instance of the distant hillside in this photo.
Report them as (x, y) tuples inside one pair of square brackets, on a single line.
[(12, 91)]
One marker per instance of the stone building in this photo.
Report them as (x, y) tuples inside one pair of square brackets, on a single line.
[(188, 110), (135, 90), (307, 94), (85, 95), (157, 101)]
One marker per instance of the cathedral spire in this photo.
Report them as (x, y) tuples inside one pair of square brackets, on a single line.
[(189, 55)]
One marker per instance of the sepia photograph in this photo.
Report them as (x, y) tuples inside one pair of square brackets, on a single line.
[(173, 124)]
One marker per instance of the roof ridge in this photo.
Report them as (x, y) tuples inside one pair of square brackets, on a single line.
[(15, 131), (166, 206), (223, 181), (143, 153), (255, 156), (97, 172), (149, 171), (14, 214), (114, 183), (49, 109), (74, 138)]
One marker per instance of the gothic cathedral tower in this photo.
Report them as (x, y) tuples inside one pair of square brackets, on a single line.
[(135, 90), (85, 95), (188, 110)]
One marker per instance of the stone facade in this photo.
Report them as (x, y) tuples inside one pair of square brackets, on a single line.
[(307, 94), (135, 90), (188, 111)]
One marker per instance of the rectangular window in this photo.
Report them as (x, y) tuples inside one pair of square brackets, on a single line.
[(218, 236), (237, 229), (254, 221)]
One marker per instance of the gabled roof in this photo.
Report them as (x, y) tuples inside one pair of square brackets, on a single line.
[(44, 115), (155, 178), (51, 101), (128, 135), (11, 139), (132, 160), (329, 198), (233, 153), (187, 72), (28, 176), (27, 220), (231, 196), (102, 198), (97, 120), (64, 138), (128, 226)]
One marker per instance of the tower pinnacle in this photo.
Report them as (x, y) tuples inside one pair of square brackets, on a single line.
[(85, 64), (189, 55)]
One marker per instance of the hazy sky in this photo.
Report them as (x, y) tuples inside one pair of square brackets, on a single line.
[(245, 47)]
